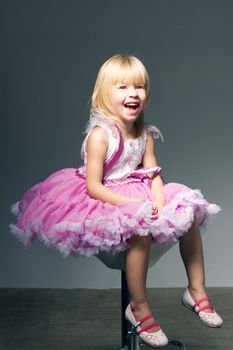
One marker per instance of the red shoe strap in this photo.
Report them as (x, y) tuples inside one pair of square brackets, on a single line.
[(144, 329), (205, 308), (200, 301), (147, 317)]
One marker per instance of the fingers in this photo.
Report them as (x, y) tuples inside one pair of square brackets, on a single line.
[(154, 213)]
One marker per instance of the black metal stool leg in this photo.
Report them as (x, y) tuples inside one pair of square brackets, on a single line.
[(129, 338), (125, 299)]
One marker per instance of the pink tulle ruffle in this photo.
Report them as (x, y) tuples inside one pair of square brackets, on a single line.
[(66, 218)]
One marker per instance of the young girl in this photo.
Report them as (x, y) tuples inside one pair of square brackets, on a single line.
[(118, 200)]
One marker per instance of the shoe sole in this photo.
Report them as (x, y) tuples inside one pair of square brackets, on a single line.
[(152, 346)]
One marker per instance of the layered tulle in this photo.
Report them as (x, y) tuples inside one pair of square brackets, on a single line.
[(60, 212)]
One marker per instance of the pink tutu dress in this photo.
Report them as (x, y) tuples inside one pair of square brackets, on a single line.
[(60, 212)]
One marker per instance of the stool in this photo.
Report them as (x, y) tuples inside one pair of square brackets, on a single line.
[(129, 337)]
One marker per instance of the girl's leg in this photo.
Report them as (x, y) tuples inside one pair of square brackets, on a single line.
[(136, 265), (191, 251)]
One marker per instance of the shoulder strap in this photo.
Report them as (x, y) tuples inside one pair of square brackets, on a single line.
[(115, 156)]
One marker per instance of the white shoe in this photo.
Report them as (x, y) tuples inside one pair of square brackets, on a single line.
[(211, 319), (155, 339)]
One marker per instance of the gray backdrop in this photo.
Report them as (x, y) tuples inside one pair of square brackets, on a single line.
[(50, 56)]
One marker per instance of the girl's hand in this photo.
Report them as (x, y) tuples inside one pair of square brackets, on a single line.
[(158, 205)]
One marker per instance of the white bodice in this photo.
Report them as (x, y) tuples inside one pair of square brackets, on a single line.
[(133, 150)]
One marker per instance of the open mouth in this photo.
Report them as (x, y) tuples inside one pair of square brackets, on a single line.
[(132, 105)]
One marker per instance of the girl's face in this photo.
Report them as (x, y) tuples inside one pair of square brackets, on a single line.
[(128, 100)]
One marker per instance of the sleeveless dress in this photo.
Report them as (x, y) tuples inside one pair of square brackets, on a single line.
[(60, 212)]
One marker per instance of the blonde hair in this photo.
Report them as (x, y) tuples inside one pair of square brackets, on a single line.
[(119, 69)]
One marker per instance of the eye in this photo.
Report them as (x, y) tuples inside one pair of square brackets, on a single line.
[(140, 86), (122, 87)]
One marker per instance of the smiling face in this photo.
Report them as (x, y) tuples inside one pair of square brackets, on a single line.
[(128, 100), (121, 88)]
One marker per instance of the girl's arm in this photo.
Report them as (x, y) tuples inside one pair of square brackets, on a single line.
[(150, 160), (96, 148)]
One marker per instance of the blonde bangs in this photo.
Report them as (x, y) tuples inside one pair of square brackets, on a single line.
[(128, 71)]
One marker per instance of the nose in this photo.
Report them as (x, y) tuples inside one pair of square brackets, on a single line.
[(132, 91)]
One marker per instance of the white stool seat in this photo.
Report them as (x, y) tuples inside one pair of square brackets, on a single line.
[(116, 261)]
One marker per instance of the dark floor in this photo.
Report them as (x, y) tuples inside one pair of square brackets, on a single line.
[(87, 319)]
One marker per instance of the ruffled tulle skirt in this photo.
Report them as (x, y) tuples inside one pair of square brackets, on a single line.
[(60, 212)]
